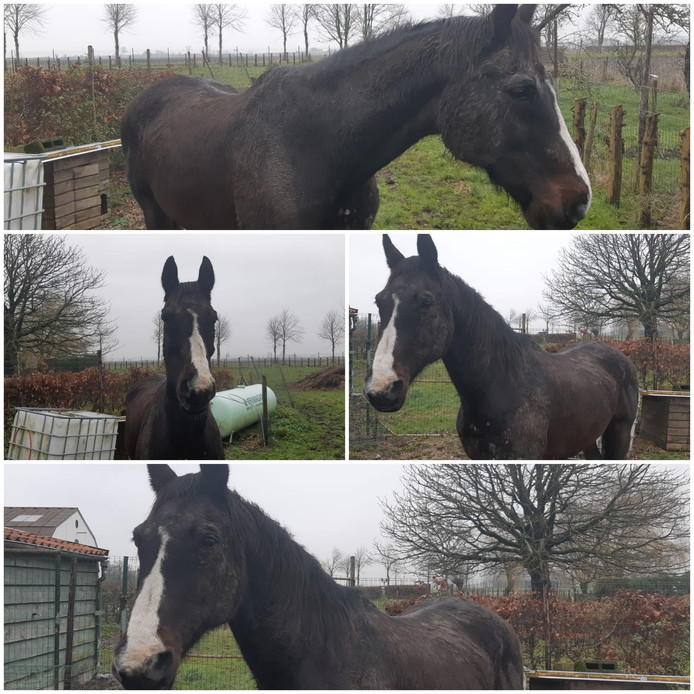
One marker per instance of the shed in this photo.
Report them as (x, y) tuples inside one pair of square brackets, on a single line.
[(52, 611), (58, 522), (665, 419)]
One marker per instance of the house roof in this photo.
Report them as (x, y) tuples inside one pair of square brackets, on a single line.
[(41, 520), (25, 538)]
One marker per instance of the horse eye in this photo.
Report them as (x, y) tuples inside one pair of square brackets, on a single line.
[(427, 302), (525, 92), (208, 542), (166, 315)]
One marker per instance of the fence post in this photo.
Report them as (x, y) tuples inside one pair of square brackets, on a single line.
[(614, 183), (650, 139), (590, 135), (265, 415), (685, 189), (579, 135), (149, 58), (124, 596)]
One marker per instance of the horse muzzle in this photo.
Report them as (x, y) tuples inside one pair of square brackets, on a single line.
[(389, 398), (157, 671), (195, 399)]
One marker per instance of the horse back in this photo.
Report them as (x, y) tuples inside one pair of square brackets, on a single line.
[(484, 650)]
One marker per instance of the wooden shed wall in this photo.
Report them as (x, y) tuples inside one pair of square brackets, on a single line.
[(665, 421), (31, 659), (73, 190)]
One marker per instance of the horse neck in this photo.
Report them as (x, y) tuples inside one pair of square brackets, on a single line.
[(485, 353), (387, 96), (290, 611)]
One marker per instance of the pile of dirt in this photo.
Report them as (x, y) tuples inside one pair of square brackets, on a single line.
[(328, 379)]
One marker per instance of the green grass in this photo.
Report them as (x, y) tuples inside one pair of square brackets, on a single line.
[(215, 673), (313, 429)]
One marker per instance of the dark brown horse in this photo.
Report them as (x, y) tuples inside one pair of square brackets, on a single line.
[(208, 557), (516, 399), (300, 147), (168, 417)]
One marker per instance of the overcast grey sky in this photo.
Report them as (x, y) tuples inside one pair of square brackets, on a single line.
[(505, 267), (257, 275), (322, 505), (69, 28)]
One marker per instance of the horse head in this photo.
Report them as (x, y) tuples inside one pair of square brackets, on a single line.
[(189, 321), (184, 550), (416, 323), (499, 111)]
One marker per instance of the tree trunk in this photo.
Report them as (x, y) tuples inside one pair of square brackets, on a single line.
[(117, 46)]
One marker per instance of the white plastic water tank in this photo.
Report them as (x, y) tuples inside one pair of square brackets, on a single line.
[(240, 407), (23, 199), (46, 434)]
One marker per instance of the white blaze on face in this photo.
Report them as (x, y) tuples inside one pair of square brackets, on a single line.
[(382, 371), (198, 355), (142, 637), (571, 146)]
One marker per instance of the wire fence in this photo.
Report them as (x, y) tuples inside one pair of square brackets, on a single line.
[(215, 662)]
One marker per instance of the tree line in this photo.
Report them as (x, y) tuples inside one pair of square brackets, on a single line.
[(50, 310)]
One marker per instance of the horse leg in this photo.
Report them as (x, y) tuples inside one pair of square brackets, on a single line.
[(592, 452), (357, 207), (617, 439), (155, 217)]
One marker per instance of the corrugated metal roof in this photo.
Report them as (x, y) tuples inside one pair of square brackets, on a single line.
[(50, 517), (13, 535)]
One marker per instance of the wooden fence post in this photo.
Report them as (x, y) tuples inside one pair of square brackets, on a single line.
[(590, 135), (685, 190), (650, 139), (579, 135), (149, 63), (614, 183)]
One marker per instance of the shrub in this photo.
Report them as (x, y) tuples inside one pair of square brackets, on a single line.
[(41, 104)]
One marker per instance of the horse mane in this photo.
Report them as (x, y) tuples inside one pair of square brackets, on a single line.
[(499, 345), (325, 607)]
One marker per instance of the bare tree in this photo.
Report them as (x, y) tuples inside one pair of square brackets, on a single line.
[(158, 333), (225, 16), (288, 328), (334, 562), (548, 314), (118, 17), (544, 517), (305, 15), (598, 22), (375, 18), (222, 334), (49, 306), (388, 556), (273, 334), (284, 18), (23, 19), (336, 21), (332, 328), (450, 10), (612, 277), (202, 18), (361, 560)]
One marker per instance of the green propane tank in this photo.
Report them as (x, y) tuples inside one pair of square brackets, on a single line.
[(240, 407)]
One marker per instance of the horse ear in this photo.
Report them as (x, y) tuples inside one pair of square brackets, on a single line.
[(393, 255), (428, 253), (206, 275), (526, 12), (501, 18), (215, 477), (169, 276), (159, 476)]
